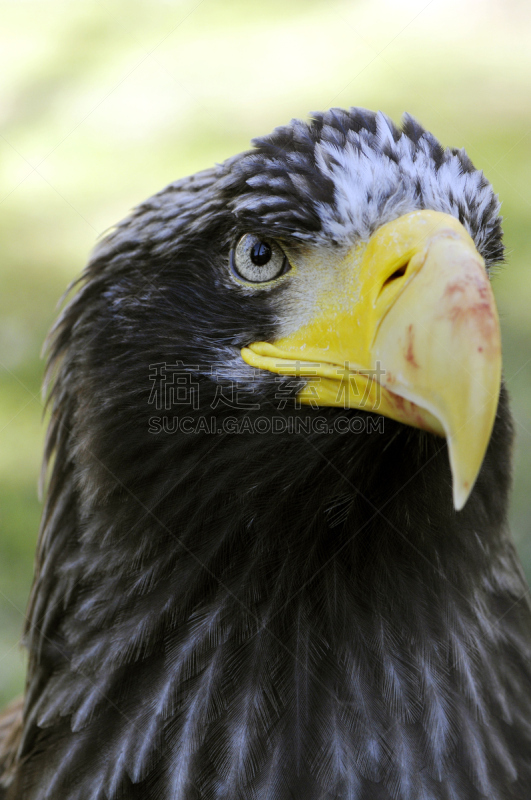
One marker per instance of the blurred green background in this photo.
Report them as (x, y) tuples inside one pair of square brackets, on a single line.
[(103, 104)]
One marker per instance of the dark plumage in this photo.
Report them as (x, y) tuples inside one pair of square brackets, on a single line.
[(272, 616)]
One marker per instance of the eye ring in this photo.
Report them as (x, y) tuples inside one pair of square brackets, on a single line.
[(257, 259)]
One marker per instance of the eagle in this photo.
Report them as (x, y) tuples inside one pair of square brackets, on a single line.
[(274, 560)]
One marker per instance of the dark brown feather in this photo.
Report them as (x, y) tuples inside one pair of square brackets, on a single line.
[(10, 735)]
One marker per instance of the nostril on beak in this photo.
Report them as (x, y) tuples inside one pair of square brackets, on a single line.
[(398, 273)]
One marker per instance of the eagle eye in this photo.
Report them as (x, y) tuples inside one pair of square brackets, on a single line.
[(258, 260)]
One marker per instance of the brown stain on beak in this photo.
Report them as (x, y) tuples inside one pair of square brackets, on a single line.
[(468, 301), (410, 353)]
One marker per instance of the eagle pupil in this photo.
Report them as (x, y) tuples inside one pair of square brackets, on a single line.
[(260, 253)]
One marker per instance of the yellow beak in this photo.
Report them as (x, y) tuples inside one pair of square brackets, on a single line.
[(412, 333)]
